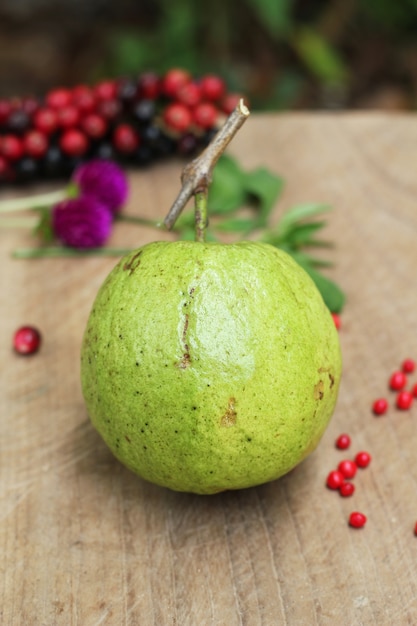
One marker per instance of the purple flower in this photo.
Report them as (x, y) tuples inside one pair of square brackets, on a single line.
[(104, 180), (82, 222)]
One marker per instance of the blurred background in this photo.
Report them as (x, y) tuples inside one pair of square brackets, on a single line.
[(283, 54)]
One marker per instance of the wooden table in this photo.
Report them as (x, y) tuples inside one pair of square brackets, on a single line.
[(84, 542)]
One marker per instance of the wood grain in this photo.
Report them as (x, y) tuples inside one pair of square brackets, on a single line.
[(84, 542)]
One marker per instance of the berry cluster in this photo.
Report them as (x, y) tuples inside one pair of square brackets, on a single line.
[(340, 479), (133, 121), (398, 382)]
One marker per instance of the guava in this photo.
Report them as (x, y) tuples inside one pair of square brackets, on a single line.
[(209, 367)]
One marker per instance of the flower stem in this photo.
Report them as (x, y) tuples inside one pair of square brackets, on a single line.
[(62, 251), (21, 222), (143, 221), (32, 202), (196, 175)]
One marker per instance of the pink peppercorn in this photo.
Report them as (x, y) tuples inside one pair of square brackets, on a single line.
[(397, 381), (408, 366), (380, 406), (346, 489), (337, 321), (335, 479), (347, 468), (27, 340), (357, 520), (343, 441), (362, 459), (404, 400)]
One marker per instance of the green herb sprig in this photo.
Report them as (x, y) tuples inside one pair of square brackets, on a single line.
[(240, 205)]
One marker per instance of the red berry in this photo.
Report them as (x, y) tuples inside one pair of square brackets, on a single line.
[(335, 479), (73, 142), (404, 400), (362, 459), (212, 87), (380, 406), (398, 381), (45, 120), (84, 99), (347, 489), (173, 80), (205, 115), (337, 321), (11, 147), (347, 468), (230, 102), (414, 391), (408, 366), (27, 340), (105, 90), (58, 98), (177, 117), (343, 442), (35, 143), (68, 116), (357, 520), (4, 169), (30, 105), (125, 139), (189, 94), (110, 109), (149, 86), (94, 125), (5, 110), (415, 528)]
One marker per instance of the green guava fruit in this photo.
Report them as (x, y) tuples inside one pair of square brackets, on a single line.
[(207, 367)]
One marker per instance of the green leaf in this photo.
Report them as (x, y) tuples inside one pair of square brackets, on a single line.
[(187, 234), (304, 258), (265, 187), (274, 15), (298, 213), (331, 293), (236, 225), (320, 56), (185, 220), (227, 191), (302, 234), (44, 228)]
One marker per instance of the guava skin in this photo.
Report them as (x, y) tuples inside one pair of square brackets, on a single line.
[(207, 367)]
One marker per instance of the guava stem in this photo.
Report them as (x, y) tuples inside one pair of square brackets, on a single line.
[(201, 217), (33, 202), (196, 175)]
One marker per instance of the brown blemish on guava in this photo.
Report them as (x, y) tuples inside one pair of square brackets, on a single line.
[(230, 416), (133, 263), (184, 362), (327, 370), (319, 390)]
